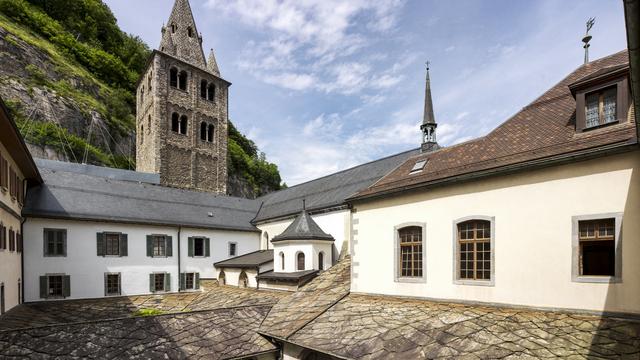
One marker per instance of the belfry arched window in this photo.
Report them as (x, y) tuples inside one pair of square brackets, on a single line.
[(182, 80), (203, 131), (173, 28), (190, 32), (183, 124), (173, 77), (210, 133), (211, 92), (175, 122), (203, 89)]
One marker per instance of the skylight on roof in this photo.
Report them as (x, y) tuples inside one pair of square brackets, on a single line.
[(418, 166)]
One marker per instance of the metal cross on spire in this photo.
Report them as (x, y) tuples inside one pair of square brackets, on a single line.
[(587, 38)]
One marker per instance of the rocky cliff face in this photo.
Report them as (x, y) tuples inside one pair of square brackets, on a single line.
[(42, 88)]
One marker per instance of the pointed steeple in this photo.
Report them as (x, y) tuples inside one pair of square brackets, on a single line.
[(303, 228), (429, 124), (181, 30), (212, 64)]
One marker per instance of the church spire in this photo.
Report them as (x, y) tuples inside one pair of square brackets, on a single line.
[(212, 64), (429, 124), (182, 35)]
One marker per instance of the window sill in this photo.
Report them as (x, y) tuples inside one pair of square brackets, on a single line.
[(411, 280), (160, 257), (54, 256), (112, 295), (594, 279), (600, 126), (475, 282)]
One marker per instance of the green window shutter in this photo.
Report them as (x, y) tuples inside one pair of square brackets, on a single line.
[(167, 282), (100, 244), (66, 286), (124, 244), (183, 281), (105, 284), (151, 282), (169, 246), (150, 245), (190, 252), (206, 247), (64, 243), (43, 287), (197, 280)]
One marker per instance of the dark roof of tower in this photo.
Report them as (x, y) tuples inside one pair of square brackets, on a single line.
[(182, 31), (250, 260), (429, 117), (303, 228)]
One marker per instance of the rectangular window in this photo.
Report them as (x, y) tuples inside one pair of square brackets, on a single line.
[(158, 282), (600, 107), (159, 246), (198, 247), (189, 280), (232, 249), (3, 237), (474, 250), (55, 286), (410, 239), (112, 284), (112, 244), (12, 183), (54, 242), (12, 241), (3, 175), (597, 247)]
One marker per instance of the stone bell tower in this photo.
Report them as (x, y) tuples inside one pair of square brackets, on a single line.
[(182, 110)]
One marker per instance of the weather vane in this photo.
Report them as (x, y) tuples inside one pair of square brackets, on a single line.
[(587, 38)]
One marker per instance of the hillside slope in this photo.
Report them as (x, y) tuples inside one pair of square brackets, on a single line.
[(67, 72)]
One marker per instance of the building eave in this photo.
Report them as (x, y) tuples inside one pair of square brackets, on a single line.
[(632, 14)]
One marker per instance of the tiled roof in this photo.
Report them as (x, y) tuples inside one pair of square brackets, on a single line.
[(250, 260), (540, 132), (328, 191), (296, 310), (303, 228), (70, 195)]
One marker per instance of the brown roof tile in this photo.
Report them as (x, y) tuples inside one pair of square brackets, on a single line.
[(539, 132)]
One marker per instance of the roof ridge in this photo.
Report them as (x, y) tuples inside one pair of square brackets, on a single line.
[(340, 172)]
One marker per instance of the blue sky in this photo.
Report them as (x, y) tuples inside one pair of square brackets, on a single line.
[(323, 85)]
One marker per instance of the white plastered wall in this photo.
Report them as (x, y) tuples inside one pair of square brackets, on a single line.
[(533, 236), (86, 269), (290, 249)]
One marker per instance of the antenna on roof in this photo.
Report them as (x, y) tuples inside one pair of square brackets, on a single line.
[(587, 38)]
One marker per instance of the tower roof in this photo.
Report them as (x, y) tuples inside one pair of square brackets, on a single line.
[(429, 117), (303, 228), (212, 64), (181, 34)]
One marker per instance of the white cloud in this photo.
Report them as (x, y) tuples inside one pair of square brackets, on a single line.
[(290, 80), (323, 126)]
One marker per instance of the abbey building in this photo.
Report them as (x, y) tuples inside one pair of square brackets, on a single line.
[(518, 244)]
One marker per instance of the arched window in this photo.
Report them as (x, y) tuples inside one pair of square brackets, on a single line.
[(173, 28), (222, 279), (183, 124), (203, 131), (300, 258), (211, 93), (182, 80), (321, 261), (175, 122), (142, 94), (474, 250), (149, 123), (243, 280), (203, 89), (266, 240), (282, 260), (149, 80), (410, 251), (141, 134), (190, 31), (173, 77), (210, 132)]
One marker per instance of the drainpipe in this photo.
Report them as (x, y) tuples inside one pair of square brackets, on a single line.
[(22, 221), (179, 272)]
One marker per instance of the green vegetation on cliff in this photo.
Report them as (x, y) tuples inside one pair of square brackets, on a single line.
[(96, 66)]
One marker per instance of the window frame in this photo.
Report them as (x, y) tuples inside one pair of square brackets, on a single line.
[(396, 252), (575, 249), (204, 245), (155, 282), (62, 276), (110, 233), (304, 261), (618, 80), (456, 249), (157, 239), (106, 283), (235, 248), (45, 252)]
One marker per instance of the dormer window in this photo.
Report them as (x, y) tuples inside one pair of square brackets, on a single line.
[(602, 98), (601, 107)]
